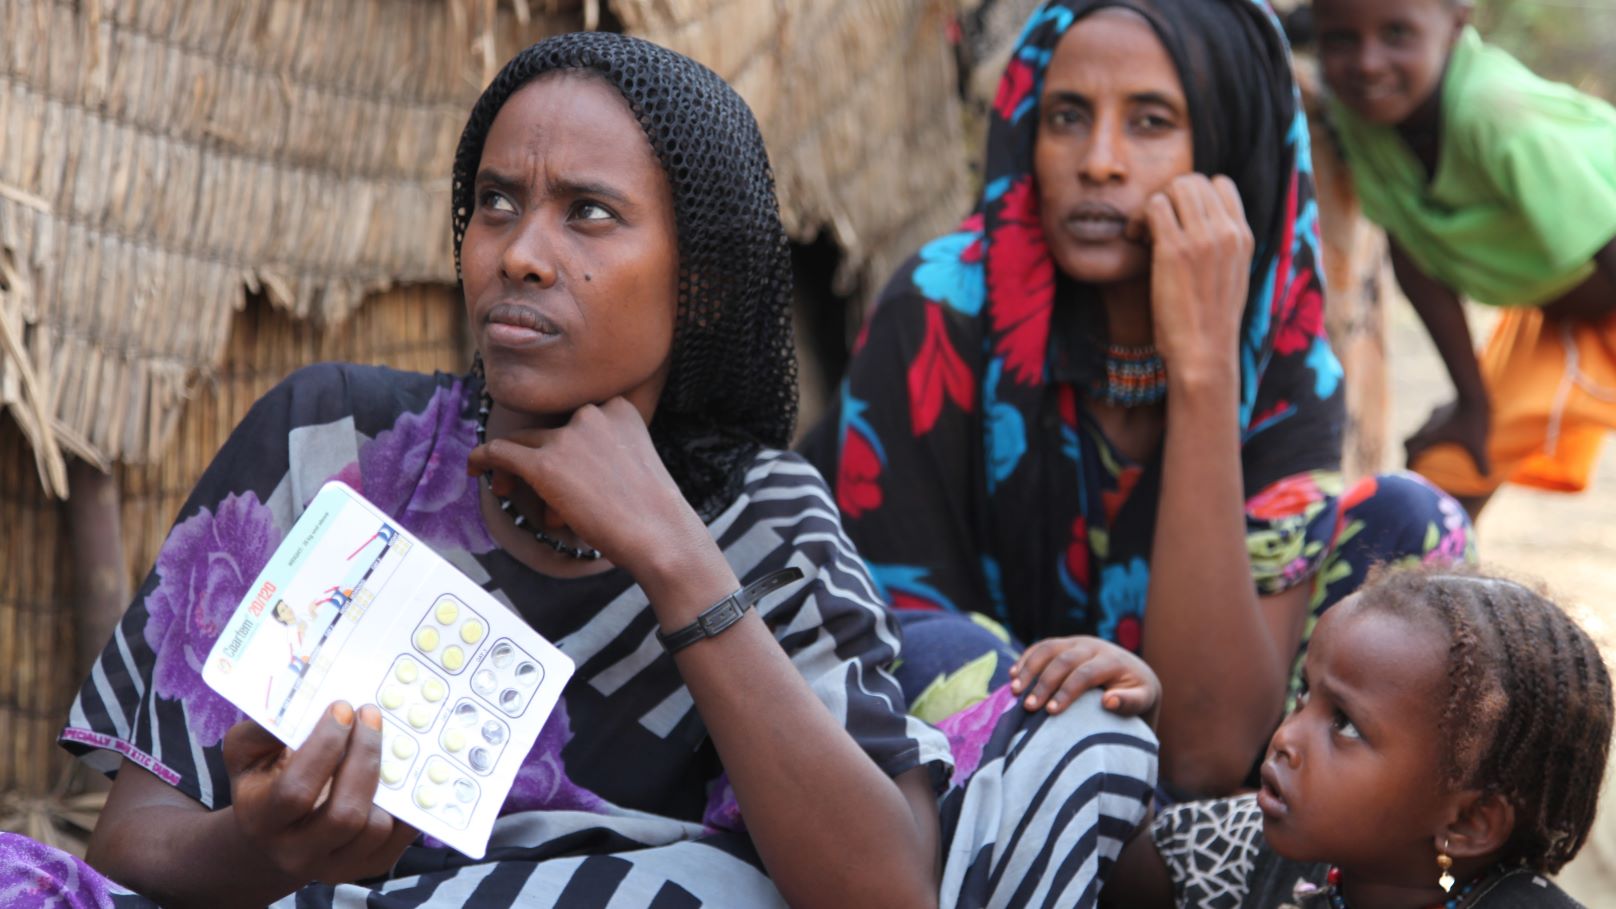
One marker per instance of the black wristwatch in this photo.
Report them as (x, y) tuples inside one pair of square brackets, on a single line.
[(727, 611)]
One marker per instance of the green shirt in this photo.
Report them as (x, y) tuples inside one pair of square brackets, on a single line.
[(1524, 192)]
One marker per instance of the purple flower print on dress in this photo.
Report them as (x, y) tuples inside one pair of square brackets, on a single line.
[(416, 472), (35, 876), (542, 784), (204, 570), (969, 731), (723, 811), (1453, 545)]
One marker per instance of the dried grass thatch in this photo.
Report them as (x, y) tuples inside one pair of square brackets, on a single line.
[(858, 102), (162, 160)]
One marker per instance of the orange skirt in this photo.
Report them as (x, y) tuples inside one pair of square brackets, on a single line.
[(1553, 391)]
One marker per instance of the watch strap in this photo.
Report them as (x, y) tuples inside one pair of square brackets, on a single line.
[(727, 611)]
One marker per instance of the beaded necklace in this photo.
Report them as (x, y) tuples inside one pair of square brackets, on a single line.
[(1134, 377), (1454, 900), (486, 404)]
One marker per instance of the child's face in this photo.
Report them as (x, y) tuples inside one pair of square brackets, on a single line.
[(1354, 774), (1384, 58)]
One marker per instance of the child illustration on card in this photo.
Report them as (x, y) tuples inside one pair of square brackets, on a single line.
[(297, 632)]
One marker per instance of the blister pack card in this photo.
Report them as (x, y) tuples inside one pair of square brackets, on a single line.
[(352, 607)]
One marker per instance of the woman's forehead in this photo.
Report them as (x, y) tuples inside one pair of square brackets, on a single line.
[(1118, 46), (572, 119)]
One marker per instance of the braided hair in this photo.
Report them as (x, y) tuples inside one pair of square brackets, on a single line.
[(1528, 712), (732, 384)]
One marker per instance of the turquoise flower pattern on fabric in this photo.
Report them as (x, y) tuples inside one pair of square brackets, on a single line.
[(1122, 595), (950, 272), (1007, 430)]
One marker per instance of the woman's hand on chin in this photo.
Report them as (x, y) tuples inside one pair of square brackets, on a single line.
[(601, 476), (1200, 274)]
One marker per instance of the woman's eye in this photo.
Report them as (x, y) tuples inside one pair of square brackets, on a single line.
[(1063, 117), (1153, 123), (1396, 33), (591, 211), (494, 200)]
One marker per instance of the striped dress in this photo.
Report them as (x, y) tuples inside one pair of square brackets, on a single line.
[(623, 800)]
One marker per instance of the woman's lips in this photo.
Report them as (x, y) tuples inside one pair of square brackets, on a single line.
[(516, 325), (1096, 223)]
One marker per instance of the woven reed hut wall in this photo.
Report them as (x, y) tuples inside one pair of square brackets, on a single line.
[(858, 102), (162, 159)]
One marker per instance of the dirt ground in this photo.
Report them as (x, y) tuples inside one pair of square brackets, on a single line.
[(1565, 541)]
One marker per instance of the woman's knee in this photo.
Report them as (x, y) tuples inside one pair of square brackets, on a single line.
[(951, 661), (1402, 516)]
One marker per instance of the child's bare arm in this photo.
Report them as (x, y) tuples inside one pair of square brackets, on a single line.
[(1467, 420), (1139, 879)]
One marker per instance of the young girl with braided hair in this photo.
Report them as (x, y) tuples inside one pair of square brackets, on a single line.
[(1446, 750)]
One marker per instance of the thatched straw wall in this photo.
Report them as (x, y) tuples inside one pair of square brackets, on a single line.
[(858, 102), (162, 159), (36, 637)]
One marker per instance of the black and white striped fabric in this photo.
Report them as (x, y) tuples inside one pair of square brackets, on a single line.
[(622, 801)]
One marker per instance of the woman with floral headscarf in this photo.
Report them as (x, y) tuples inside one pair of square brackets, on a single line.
[(1105, 407), (627, 284)]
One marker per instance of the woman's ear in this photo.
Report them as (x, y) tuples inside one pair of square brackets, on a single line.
[(1483, 826)]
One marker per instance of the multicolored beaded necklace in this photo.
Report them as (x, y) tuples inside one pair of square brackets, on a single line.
[(1454, 900), (1134, 377), (485, 404)]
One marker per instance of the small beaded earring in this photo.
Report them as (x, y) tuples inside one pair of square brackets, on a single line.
[(1444, 862)]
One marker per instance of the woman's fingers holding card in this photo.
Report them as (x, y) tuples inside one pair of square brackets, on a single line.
[(275, 790), (304, 781), (357, 838), (375, 851), (346, 815)]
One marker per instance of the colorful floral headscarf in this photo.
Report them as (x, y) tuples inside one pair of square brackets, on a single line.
[(976, 480)]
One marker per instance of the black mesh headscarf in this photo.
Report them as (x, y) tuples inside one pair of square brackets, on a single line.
[(732, 383)]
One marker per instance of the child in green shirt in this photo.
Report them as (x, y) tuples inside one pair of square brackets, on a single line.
[(1498, 185)]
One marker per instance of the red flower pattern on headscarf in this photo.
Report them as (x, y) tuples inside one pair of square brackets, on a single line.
[(1013, 88), (937, 372), (1302, 316), (857, 489), (1021, 285)]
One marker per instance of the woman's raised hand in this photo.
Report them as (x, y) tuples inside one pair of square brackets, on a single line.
[(601, 476), (1055, 671), (311, 812), (1201, 248)]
